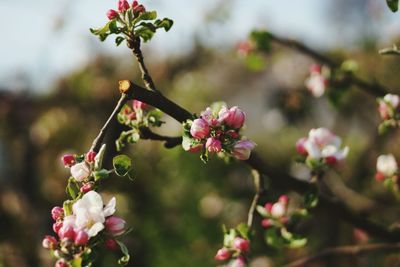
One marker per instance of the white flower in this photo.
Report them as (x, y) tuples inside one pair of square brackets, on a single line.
[(278, 210), (387, 165), (322, 143), (393, 100), (316, 84), (90, 214), (80, 171)]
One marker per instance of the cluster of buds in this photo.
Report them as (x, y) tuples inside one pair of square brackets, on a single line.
[(389, 107), (137, 115), (81, 226), (130, 22), (317, 82), (276, 220), (387, 171), (321, 148), (217, 130), (123, 7), (236, 246), (244, 48)]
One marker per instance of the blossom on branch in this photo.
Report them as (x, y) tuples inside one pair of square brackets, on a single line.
[(388, 108), (317, 82), (387, 171)]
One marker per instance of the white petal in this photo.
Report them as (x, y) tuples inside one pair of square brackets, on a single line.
[(110, 208), (95, 229)]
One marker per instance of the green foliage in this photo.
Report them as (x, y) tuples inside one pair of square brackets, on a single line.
[(261, 39), (393, 5), (124, 260), (72, 189), (122, 165)]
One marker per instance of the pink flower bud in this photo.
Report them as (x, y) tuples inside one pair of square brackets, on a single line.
[(383, 110), (331, 160), (268, 207), (196, 148), (284, 219), (266, 223), (278, 210), (238, 262), (112, 14), (86, 188), (66, 233), (139, 9), (242, 149), (135, 4), (241, 244), (315, 68), (380, 177), (115, 225), (139, 105), (49, 242), (80, 171), (57, 226), (284, 199), (111, 244), (233, 117), (222, 254), (244, 48), (232, 134), (61, 263), (300, 146), (199, 129), (57, 213), (123, 5), (81, 238), (68, 160), (90, 156), (213, 145)]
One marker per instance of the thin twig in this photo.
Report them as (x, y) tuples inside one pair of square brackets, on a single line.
[(374, 88), (134, 44), (259, 188), (347, 251), (170, 142), (99, 139)]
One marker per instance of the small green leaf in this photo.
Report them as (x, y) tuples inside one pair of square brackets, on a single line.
[(77, 262), (101, 174), (72, 188), (311, 199), (67, 206), (133, 138), (145, 32), (243, 230), (261, 40), (104, 29), (273, 238), (255, 62), (262, 211), (118, 41), (125, 258), (150, 15), (165, 23), (393, 5), (122, 165)]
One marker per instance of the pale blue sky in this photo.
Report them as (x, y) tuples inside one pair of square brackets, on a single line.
[(33, 53)]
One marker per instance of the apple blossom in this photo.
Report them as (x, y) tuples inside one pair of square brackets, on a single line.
[(238, 262), (268, 207), (57, 226), (300, 146), (80, 171), (284, 199), (388, 106), (81, 238), (233, 117), (139, 9), (61, 263), (49, 242), (57, 213), (213, 145), (199, 129), (242, 149), (68, 160), (112, 14), (266, 223), (241, 244), (316, 83), (136, 104), (386, 165), (66, 232), (123, 5), (278, 210), (115, 225), (90, 156), (222, 254), (86, 188)]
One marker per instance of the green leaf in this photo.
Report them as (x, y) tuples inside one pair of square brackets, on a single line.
[(311, 199), (273, 238), (393, 5), (72, 188), (67, 206), (255, 62), (145, 32), (261, 40), (133, 138), (165, 23), (118, 41), (243, 230), (122, 165), (125, 258), (262, 211), (104, 29), (101, 174), (77, 262), (148, 15)]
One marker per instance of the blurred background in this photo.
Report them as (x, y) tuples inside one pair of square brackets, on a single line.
[(58, 85)]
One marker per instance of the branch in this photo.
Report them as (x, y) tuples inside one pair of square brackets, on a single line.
[(259, 186), (375, 89), (170, 142), (347, 251), (284, 180)]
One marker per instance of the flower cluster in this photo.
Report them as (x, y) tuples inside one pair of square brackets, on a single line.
[(389, 107), (130, 21), (85, 223), (276, 221), (387, 171), (317, 82), (136, 115), (321, 149), (236, 246), (217, 130)]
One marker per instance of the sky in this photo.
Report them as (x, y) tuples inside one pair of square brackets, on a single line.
[(44, 39)]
